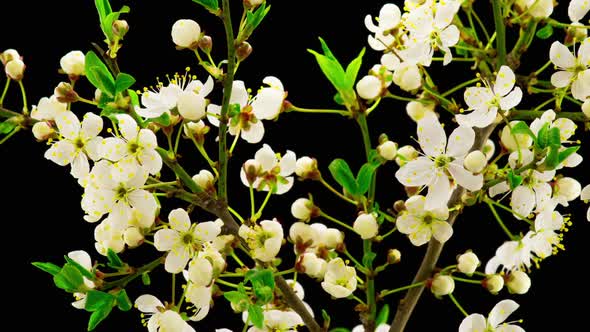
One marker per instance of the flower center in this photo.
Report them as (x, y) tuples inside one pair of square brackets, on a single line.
[(79, 143), (428, 219), (188, 238), (442, 161), (121, 192), (133, 147)]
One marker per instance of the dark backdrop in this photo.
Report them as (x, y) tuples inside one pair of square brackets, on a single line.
[(41, 213)]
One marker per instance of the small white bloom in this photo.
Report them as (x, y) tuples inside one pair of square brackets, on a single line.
[(572, 70), (518, 282), (204, 179), (200, 297), (268, 102), (161, 320), (9, 55), (329, 238), (442, 285), (83, 258), (133, 237), (420, 223), (512, 255), (73, 63), (366, 226), (264, 240), (566, 189), (42, 130), (312, 265), (406, 154), (109, 235), (369, 87), (15, 69), (417, 110), (545, 237), (486, 101), (387, 150), (275, 171), (302, 209), (339, 280), (48, 109), (577, 9), (306, 167), (303, 236), (192, 106), (389, 18), (186, 33), (500, 312), (407, 76), (494, 283), (475, 161), (536, 8), (467, 263)]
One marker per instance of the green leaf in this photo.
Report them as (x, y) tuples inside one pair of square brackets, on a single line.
[(98, 316), (543, 137), (564, 154), (263, 284), (123, 301), (145, 278), (68, 278), (338, 99), (326, 318), (522, 128), (86, 273), (134, 97), (365, 176), (326, 49), (103, 7), (253, 19), (353, 68), (383, 316), (123, 82), (114, 261), (368, 258), (552, 159), (514, 180), (99, 75), (256, 316), (235, 296), (163, 120), (343, 175), (96, 299), (6, 127), (107, 23), (340, 329), (332, 70), (211, 5), (47, 267), (545, 32), (554, 137)]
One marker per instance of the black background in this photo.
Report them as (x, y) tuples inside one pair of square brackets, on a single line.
[(41, 213)]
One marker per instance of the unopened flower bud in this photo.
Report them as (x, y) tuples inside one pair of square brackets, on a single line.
[(399, 206), (9, 55), (468, 198), (369, 87), (133, 237), (467, 263), (442, 285), (253, 3), (64, 92), (307, 168), (494, 283), (387, 150), (332, 238), (186, 33), (191, 106), (97, 95), (416, 110), (206, 44), (489, 149), (198, 130), (576, 32), (312, 265), (366, 226), (518, 282), (304, 209), (394, 256), (73, 63), (204, 179), (120, 28), (567, 189), (42, 131), (243, 50), (15, 69), (507, 139), (475, 161), (586, 108), (251, 169), (405, 154)]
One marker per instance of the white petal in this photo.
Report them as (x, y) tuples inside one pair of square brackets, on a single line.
[(113, 148), (501, 311), (91, 125), (581, 86), (500, 188), (213, 109), (61, 153), (253, 134), (144, 203), (207, 231), (460, 141), (561, 79), (472, 323), (81, 257), (479, 118), (431, 136), (407, 223), (166, 239), (504, 81), (510, 328), (147, 139), (465, 178), (177, 258), (179, 220), (417, 172), (128, 127), (288, 163), (577, 9), (511, 100), (151, 161), (80, 166), (561, 56), (94, 148), (542, 194), (439, 192), (239, 94), (477, 97), (266, 157), (584, 50), (523, 200), (442, 231), (450, 36), (148, 303), (284, 187), (415, 204), (68, 125), (421, 237)]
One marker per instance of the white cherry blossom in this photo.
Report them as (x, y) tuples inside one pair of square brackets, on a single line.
[(420, 223), (48, 109), (545, 237), (577, 9), (536, 8), (161, 319), (389, 18), (572, 70), (441, 162), (484, 102), (83, 258), (339, 280), (275, 171), (264, 239), (494, 321)]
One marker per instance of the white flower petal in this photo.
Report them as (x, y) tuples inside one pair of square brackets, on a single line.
[(439, 192), (253, 134), (91, 125), (561, 79), (61, 153), (523, 200), (465, 178), (128, 127), (266, 157), (577, 9), (239, 94), (177, 258), (504, 81), (431, 136), (501, 311), (561, 56), (179, 220), (442, 231), (68, 125), (288, 163), (460, 141), (166, 239), (472, 323), (417, 172), (81, 257), (511, 100), (148, 303)]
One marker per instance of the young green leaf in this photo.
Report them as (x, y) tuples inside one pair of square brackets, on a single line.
[(514, 180), (47, 267), (98, 316), (99, 75), (545, 32), (564, 154), (332, 70), (96, 299), (114, 261), (210, 5), (343, 175), (326, 50), (256, 315), (543, 137), (327, 319), (353, 68), (123, 82), (163, 120), (134, 97), (7, 126), (368, 258), (383, 316), (86, 273), (145, 278), (522, 128), (103, 7), (365, 176), (554, 137), (123, 301), (107, 23), (552, 159), (68, 278), (261, 276)]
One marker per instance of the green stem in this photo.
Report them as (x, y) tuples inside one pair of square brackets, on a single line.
[(469, 281), (452, 297), (234, 143), (159, 184), (293, 108), (388, 233), (339, 194), (258, 214), (236, 214), (543, 104), (358, 265), (356, 298), (6, 113), (396, 97), (565, 25), (481, 25), (460, 86), (24, 95), (14, 131), (500, 222), (505, 208), (573, 100), (203, 153), (500, 32), (400, 289), (284, 272), (227, 89), (186, 179), (177, 141), (126, 280), (323, 214), (540, 70), (252, 200), (450, 267), (237, 259), (173, 288), (5, 90), (229, 284)]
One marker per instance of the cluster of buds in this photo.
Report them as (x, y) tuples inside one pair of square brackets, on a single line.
[(14, 67)]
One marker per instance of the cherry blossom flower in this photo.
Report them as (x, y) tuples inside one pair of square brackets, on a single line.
[(572, 70), (274, 172), (83, 258), (186, 33), (161, 319), (78, 142), (48, 109), (494, 321), (73, 63), (585, 196), (264, 239), (420, 223), (339, 280), (536, 8), (511, 255), (485, 101), (441, 163), (183, 238), (577, 9), (542, 240), (389, 18)]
